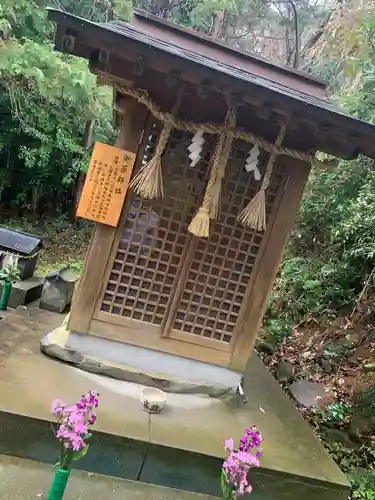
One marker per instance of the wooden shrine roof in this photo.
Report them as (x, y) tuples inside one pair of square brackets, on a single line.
[(208, 46), (317, 123)]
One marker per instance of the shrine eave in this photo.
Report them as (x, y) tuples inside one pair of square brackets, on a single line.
[(317, 123)]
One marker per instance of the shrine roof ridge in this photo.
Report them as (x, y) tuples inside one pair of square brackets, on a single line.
[(359, 132), (189, 32)]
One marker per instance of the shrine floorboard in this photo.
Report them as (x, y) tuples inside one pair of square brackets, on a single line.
[(181, 448)]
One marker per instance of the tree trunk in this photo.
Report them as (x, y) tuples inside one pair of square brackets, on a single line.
[(217, 24), (88, 139), (35, 198)]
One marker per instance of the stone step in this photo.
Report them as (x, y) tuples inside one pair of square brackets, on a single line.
[(114, 456), (22, 479)]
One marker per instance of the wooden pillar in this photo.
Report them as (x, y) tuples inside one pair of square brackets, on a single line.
[(271, 258), (130, 135)]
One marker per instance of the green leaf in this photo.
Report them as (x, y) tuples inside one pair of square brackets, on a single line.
[(311, 284), (82, 453)]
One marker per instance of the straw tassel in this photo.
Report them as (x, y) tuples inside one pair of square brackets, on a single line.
[(148, 182), (227, 140), (200, 225), (254, 215)]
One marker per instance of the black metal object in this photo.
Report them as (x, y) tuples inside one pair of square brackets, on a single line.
[(25, 246), (240, 392)]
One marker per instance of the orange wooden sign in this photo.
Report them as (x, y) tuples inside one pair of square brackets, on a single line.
[(106, 184)]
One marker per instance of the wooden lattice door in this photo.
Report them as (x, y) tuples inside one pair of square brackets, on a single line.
[(220, 268), (183, 287)]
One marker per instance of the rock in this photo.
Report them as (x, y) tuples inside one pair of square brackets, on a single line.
[(363, 383), (336, 323), (285, 371), (358, 429), (362, 422), (346, 341), (58, 290), (267, 347), (339, 436), (308, 394)]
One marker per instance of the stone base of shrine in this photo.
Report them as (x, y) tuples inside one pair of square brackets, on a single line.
[(182, 448), (141, 365)]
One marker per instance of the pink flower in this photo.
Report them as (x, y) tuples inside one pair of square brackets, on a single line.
[(57, 406), (236, 467), (75, 417), (80, 428), (247, 458), (229, 445), (73, 422)]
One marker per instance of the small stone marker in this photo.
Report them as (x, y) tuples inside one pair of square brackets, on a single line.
[(285, 371), (58, 290)]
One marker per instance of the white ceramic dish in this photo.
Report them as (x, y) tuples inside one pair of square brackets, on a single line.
[(153, 400)]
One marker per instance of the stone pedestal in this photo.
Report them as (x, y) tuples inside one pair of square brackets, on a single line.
[(58, 290), (183, 447), (131, 363), (24, 292)]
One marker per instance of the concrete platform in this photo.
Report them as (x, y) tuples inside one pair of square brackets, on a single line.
[(181, 447), (25, 480)]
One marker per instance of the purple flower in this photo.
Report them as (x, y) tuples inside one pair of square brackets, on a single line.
[(73, 422), (251, 439), (235, 468), (92, 420)]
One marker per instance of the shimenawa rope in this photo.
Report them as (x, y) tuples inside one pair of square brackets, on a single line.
[(142, 96)]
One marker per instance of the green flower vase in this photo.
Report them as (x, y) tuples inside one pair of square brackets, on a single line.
[(4, 299), (59, 484)]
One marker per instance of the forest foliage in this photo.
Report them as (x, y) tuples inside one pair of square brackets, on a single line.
[(331, 255), (46, 98)]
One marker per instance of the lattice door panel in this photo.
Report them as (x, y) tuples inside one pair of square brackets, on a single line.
[(222, 265), (154, 238)]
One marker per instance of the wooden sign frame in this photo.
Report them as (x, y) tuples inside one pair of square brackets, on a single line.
[(106, 184)]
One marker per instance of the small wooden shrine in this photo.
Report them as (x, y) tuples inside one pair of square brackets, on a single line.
[(219, 145)]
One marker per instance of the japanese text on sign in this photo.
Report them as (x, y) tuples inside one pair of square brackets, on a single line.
[(106, 184)]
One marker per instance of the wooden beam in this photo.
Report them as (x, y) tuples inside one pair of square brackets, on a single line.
[(98, 253), (120, 228), (148, 336), (271, 258)]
